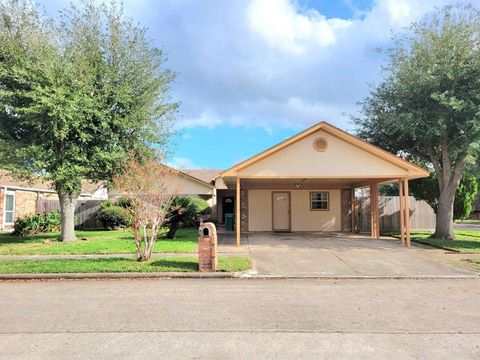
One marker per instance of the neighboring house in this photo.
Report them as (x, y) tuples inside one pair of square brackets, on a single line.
[(307, 183), (20, 198), (193, 183)]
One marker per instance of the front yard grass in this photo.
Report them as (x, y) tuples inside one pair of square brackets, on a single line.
[(116, 265), (467, 241), (97, 242)]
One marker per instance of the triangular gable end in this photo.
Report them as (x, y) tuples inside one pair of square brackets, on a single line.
[(338, 155)]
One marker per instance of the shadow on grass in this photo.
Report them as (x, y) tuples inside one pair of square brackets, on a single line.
[(454, 244), (175, 264), (8, 238)]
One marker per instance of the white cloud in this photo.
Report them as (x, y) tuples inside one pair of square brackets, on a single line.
[(282, 26), (206, 119), (182, 163), (272, 63)]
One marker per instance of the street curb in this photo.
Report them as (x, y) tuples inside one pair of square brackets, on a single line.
[(133, 275), (364, 277), (220, 275)]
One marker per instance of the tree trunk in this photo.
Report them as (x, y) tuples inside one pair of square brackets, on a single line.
[(449, 175), (173, 229), (444, 222), (67, 216)]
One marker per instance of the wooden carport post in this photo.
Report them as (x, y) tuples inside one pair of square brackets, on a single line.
[(352, 194), (402, 211), (407, 212), (374, 217), (237, 211)]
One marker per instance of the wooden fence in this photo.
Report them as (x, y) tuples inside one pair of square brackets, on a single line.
[(85, 212), (422, 216)]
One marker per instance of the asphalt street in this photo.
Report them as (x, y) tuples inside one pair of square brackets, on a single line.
[(240, 319)]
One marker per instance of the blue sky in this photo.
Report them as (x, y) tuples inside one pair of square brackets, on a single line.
[(254, 72)]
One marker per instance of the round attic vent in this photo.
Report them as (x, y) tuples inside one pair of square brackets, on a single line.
[(320, 144)]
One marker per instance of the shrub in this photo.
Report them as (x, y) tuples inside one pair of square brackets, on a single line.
[(105, 204), (34, 224), (124, 202), (186, 210), (201, 206), (114, 216)]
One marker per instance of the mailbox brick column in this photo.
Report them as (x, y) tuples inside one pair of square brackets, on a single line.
[(207, 247)]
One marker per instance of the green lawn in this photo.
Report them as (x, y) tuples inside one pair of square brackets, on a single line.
[(96, 242), (115, 265), (467, 241)]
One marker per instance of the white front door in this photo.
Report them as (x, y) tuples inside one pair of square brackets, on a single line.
[(281, 210)]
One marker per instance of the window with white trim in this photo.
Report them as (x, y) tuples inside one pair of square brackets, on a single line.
[(9, 207), (319, 200)]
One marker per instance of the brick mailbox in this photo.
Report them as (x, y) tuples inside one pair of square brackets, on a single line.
[(207, 247)]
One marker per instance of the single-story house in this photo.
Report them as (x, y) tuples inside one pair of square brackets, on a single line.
[(196, 183), (305, 183), (308, 182), (19, 198)]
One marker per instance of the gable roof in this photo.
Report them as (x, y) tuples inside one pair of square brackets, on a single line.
[(7, 179), (194, 178), (206, 175), (342, 135)]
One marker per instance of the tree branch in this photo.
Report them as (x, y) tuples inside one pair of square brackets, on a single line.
[(457, 170), (438, 169), (446, 162)]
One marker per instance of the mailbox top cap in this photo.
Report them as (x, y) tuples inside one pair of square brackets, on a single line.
[(212, 230)]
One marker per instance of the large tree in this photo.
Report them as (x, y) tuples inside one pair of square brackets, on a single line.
[(427, 189), (427, 107), (77, 94)]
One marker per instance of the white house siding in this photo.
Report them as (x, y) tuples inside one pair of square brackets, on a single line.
[(188, 186), (259, 210), (302, 218)]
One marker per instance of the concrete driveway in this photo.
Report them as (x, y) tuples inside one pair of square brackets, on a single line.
[(332, 254)]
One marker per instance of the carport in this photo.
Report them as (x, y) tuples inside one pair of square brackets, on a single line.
[(308, 183)]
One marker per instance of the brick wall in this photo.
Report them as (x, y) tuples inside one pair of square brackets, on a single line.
[(25, 203), (207, 247), (243, 210)]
